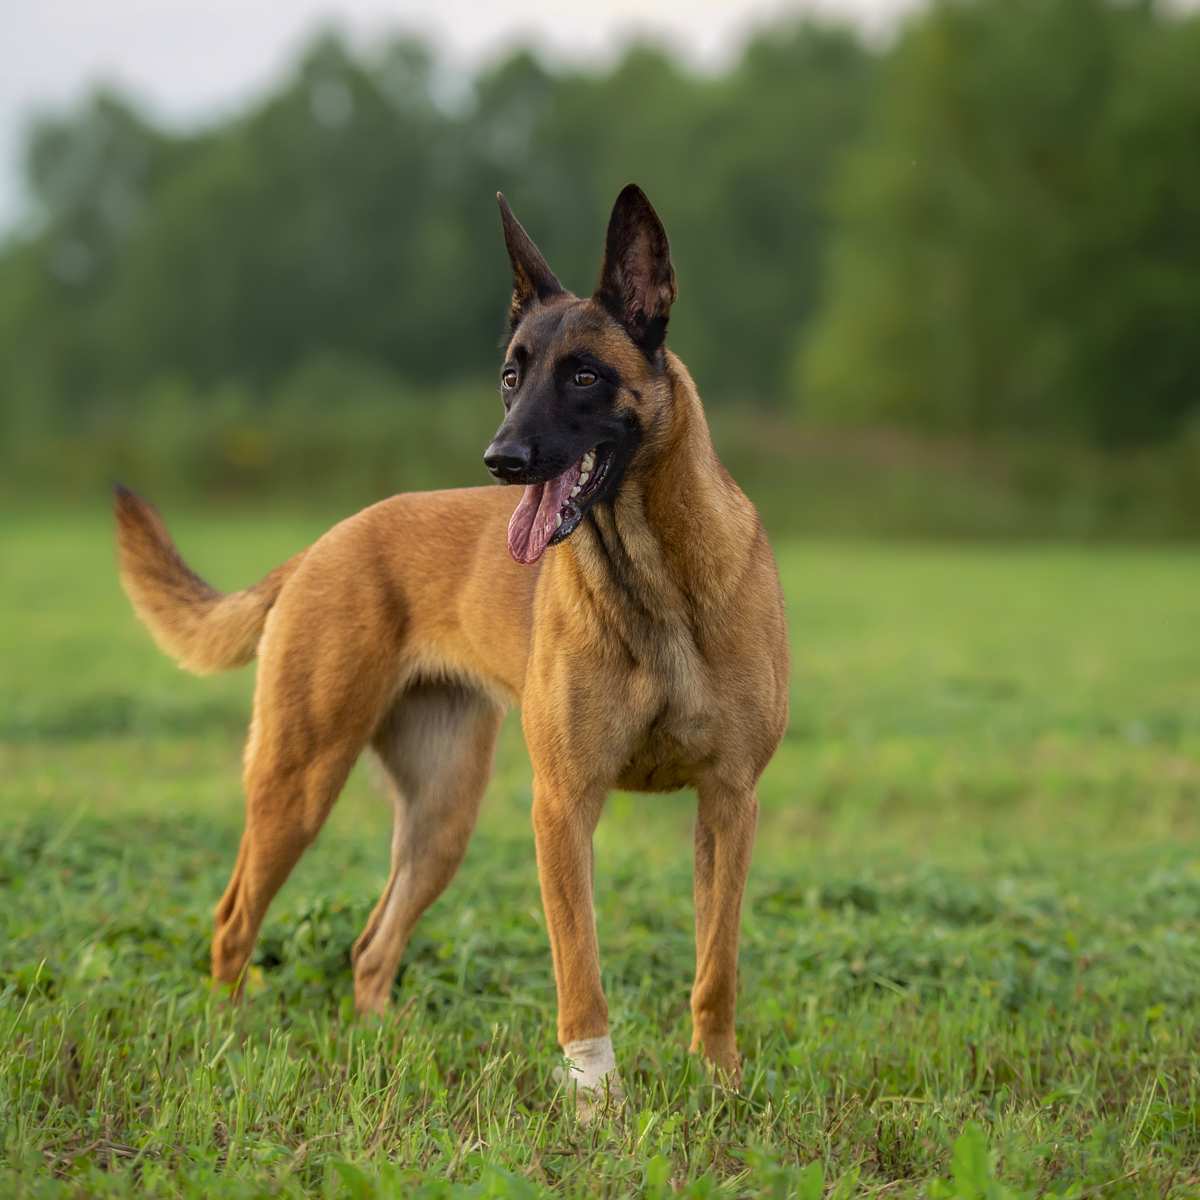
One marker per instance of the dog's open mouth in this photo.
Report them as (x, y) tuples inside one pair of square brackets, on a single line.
[(549, 512)]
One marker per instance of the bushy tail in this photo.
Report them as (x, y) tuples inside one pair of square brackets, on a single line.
[(203, 630)]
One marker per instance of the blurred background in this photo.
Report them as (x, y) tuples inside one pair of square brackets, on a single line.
[(939, 283), (939, 264)]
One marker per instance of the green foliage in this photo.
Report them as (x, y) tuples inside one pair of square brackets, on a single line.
[(971, 958), (978, 245), (351, 213), (1017, 234), (971, 1172), (340, 433)]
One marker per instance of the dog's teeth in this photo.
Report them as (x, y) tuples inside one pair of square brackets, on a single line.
[(582, 480), (557, 520), (589, 461), (575, 489)]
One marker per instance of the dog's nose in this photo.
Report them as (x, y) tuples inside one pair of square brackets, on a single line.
[(508, 460)]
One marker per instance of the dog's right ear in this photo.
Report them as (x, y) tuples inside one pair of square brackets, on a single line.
[(533, 281)]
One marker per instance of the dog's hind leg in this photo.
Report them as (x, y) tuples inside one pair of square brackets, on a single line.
[(284, 812), (436, 748), (309, 726)]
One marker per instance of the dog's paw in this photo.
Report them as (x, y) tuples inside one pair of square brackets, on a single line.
[(605, 1099), (590, 1078), (721, 1059)]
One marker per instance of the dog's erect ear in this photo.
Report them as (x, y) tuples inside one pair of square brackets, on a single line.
[(533, 281), (637, 281)]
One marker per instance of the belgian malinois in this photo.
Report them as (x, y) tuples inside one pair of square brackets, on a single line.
[(633, 610)]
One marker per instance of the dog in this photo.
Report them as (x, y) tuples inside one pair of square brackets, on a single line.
[(628, 601)]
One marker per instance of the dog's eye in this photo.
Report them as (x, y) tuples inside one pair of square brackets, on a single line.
[(585, 378), (509, 378)]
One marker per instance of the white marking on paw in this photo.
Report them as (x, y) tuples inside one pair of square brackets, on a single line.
[(589, 1060)]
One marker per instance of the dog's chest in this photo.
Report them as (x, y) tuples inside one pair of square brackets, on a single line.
[(676, 734)]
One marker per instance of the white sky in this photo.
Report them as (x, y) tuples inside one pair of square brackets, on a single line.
[(189, 59)]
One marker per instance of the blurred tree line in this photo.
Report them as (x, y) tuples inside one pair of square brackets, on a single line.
[(989, 226), (1017, 231), (352, 214)]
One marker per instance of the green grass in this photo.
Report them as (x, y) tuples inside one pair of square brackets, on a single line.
[(972, 938)]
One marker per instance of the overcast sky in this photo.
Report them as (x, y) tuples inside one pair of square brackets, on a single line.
[(188, 59)]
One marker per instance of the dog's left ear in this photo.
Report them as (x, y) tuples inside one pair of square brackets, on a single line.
[(637, 281), (533, 281)]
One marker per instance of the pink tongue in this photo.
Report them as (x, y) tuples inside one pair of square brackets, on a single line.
[(535, 519)]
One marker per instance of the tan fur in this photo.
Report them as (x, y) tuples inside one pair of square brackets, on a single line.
[(647, 652), (201, 629)]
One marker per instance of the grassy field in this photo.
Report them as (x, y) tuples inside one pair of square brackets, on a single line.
[(972, 940)]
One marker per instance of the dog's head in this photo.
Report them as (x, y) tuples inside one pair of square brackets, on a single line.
[(582, 380)]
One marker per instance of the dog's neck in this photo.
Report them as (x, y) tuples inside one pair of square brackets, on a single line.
[(679, 533)]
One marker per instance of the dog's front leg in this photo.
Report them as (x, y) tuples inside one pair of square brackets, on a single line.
[(725, 823), (563, 826)]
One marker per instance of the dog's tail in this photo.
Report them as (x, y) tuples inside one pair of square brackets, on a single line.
[(199, 627)]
